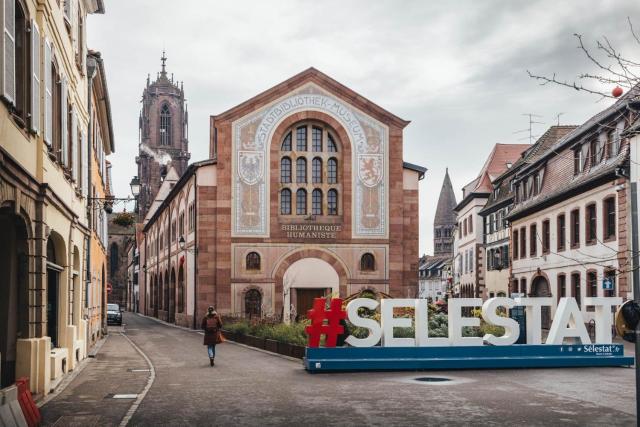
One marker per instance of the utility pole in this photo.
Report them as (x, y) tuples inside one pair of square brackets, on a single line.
[(634, 176)]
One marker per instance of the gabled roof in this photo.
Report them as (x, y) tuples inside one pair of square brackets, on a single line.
[(312, 75), (498, 161), (446, 203)]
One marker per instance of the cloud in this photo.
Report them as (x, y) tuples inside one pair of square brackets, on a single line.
[(457, 70)]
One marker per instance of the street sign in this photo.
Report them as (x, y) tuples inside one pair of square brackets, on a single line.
[(109, 288), (607, 284)]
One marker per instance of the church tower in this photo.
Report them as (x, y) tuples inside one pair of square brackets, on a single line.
[(163, 135), (445, 220)]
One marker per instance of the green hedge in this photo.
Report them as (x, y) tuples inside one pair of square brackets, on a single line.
[(292, 334)]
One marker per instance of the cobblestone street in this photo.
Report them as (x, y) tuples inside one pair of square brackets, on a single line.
[(250, 387)]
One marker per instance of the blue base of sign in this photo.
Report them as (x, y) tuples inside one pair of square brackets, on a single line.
[(481, 357)]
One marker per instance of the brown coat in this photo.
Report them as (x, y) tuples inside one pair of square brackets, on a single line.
[(212, 329)]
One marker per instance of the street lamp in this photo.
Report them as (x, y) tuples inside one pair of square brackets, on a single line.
[(183, 245), (135, 186)]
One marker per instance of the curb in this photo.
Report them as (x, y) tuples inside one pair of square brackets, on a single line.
[(73, 374), (162, 322)]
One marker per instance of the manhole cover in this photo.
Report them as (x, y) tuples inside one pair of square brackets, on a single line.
[(432, 379)]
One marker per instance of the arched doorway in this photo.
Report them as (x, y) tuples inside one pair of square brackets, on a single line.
[(55, 277), (156, 293), (540, 288), (181, 290), (253, 304), (165, 298), (305, 280), (172, 296), (14, 304)]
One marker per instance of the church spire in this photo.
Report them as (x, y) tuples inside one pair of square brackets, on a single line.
[(163, 73), (445, 219)]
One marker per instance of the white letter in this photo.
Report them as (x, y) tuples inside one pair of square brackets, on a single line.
[(457, 322), (422, 327), (534, 319), (374, 328), (389, 322), (567, 313), (604, 316), (511, 327)]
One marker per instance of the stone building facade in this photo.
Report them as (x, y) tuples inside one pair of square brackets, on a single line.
[(306, 195), (569, 224), (469, 255), (51, 120), (163, 131), (444, 223)]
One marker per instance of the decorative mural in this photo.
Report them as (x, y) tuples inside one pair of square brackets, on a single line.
[(251, 142)]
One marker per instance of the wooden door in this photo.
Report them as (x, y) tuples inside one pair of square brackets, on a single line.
[(305, 297)]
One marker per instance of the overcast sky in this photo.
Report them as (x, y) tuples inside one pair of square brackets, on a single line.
[(455, 69)]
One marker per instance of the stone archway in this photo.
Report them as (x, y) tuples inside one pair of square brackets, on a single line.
[(540, 288), (14, 285), (172, 296), (304, 280)]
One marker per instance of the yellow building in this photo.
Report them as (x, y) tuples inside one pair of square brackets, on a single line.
[(47, 134)]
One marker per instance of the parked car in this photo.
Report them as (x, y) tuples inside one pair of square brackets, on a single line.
[(114, 314)]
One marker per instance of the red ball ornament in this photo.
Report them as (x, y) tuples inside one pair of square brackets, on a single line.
[(616, 92)]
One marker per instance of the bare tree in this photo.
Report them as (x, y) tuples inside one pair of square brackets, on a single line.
[(612, 68)]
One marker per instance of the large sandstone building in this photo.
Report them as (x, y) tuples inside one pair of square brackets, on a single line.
[(305, 194)]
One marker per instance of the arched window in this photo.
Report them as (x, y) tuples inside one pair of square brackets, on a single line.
[(332, 202), (332, 147), (285, 202), (301, 138), (316, 171), (285, 170), (332, 171), (165, 125), (253, 303), (113, 259), (301, 202), (286, 142), (316, 139), (301, 170), (316, 202), (367, 262), (253, 261)]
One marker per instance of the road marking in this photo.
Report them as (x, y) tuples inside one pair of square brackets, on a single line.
[(152, 376), (125, 396)]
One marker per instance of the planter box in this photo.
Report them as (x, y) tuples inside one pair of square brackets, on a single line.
[(285, 349), (297, 351), (271, 345), (254, 341), (228, 335)]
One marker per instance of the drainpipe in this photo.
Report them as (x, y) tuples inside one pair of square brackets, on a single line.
[(195, 251), (91, 73)]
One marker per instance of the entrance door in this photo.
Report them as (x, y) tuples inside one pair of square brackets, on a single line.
[(53, 278), (304, 299), (540, 288)]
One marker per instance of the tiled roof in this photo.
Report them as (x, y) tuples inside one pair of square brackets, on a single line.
[(495, 165)]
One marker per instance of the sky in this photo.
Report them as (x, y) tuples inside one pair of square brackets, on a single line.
[(457, 69)]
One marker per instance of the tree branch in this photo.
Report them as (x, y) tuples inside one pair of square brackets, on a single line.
[(546, 80)]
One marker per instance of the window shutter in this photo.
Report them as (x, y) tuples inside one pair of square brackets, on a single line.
[(84, 179), (74, 146), (48, 97), (64, 126), (35, 77), (8, 80)]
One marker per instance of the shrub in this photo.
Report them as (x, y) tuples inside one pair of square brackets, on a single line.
[(124, 219)]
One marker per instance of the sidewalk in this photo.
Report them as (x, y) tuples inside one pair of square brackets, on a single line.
[(88, 399)]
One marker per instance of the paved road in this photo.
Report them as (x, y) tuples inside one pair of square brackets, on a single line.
[(249, 387)]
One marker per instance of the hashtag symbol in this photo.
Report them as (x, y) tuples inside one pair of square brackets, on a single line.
[(332, 328)]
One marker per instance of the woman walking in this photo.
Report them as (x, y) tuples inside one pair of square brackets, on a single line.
[(211, 324)]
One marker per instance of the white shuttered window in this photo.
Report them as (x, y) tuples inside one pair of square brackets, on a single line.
[(48, 93), (35, 77), (64, 155), (8, 80)]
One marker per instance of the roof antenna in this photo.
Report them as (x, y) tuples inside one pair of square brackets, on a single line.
[(531, 136), (558, 117)]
